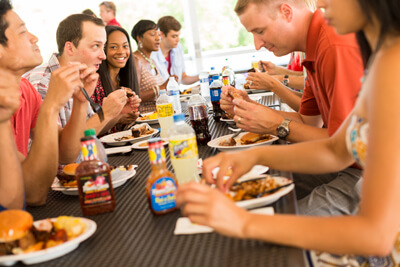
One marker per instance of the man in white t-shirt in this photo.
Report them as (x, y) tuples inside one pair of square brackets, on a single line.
[(169, 58)]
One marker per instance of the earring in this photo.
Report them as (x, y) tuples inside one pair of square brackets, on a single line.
[(140, 44)]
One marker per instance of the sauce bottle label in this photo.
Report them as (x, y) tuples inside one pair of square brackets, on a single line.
[(95, 188), (165, 110), (183, 149), (163, 194)]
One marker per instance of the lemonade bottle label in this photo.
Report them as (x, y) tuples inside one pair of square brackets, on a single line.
[(165, 110), (184, 148)]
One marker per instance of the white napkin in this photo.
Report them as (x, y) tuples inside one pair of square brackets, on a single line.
[(185, 227)]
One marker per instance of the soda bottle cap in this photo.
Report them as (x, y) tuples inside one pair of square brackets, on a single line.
[(179, 117), (89, 132)]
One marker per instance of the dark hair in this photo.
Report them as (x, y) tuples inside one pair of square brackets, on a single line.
[(5, 6), (89, 12), (168, 23), (388, 14), (127, 75), (141, 27), (70, 29)]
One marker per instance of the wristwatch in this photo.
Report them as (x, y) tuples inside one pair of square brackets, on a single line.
[(285, 80), (283, 129)]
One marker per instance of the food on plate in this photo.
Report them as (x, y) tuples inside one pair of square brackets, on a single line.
[(123, 168), (246, 86), (227, 116), (144, 144), (228, 142), (246, 139), (152, 116), (187, 91), (18, 233), (252, 138), (67, 177), (252, 189), (143, 130), (397, 242)]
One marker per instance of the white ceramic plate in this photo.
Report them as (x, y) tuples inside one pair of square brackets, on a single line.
[(255, 171), (228, 121), (139, 145), (110, 139), (118, 149), (262, 201), (53, 252), (154, 121), (215, 143), (119, 177)]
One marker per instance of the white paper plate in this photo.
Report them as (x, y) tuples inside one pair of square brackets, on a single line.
[(110, 139), (215, 143), (255, 171), (119, 177), (262, 201), (53, 252), (139, 145)]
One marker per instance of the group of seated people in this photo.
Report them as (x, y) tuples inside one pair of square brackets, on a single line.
[(347, 198)]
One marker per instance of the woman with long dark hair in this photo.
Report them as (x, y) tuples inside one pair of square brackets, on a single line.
[(372, 126), (147, 37), (118, 71)]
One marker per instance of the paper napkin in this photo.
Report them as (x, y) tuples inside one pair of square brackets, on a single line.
[(185, 227)]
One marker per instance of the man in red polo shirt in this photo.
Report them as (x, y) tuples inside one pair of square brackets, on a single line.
[(108, 12), (334, 68)]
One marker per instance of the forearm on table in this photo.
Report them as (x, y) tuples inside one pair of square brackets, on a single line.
[(40, 166), (288, 96), (189, 79), (331, 235), (11, 179), (147, 95), (71, 134), (295, 81)]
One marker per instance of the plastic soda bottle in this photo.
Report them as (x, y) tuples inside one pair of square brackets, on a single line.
[(198, 114), (211, 75), (215, 93), (96, 193), (183, 150), (100, 148), (173, 92), (165, 112), (161, 184)]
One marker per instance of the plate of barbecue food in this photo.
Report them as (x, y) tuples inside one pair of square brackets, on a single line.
[(254, 192), (242, 141), (66, 183), (31, 242), (137, 133)]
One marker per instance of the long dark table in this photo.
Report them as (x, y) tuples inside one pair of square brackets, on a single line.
[(132, 236)]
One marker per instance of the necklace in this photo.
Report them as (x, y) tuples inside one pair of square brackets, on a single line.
[(153, 67)]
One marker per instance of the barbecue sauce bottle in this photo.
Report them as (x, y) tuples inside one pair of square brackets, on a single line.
[(161, 184), (96, 193)]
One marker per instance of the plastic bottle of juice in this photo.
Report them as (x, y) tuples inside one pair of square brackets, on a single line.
[(183, 150), (165, 111), (254, 63), (96, 193), (161, 184)]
